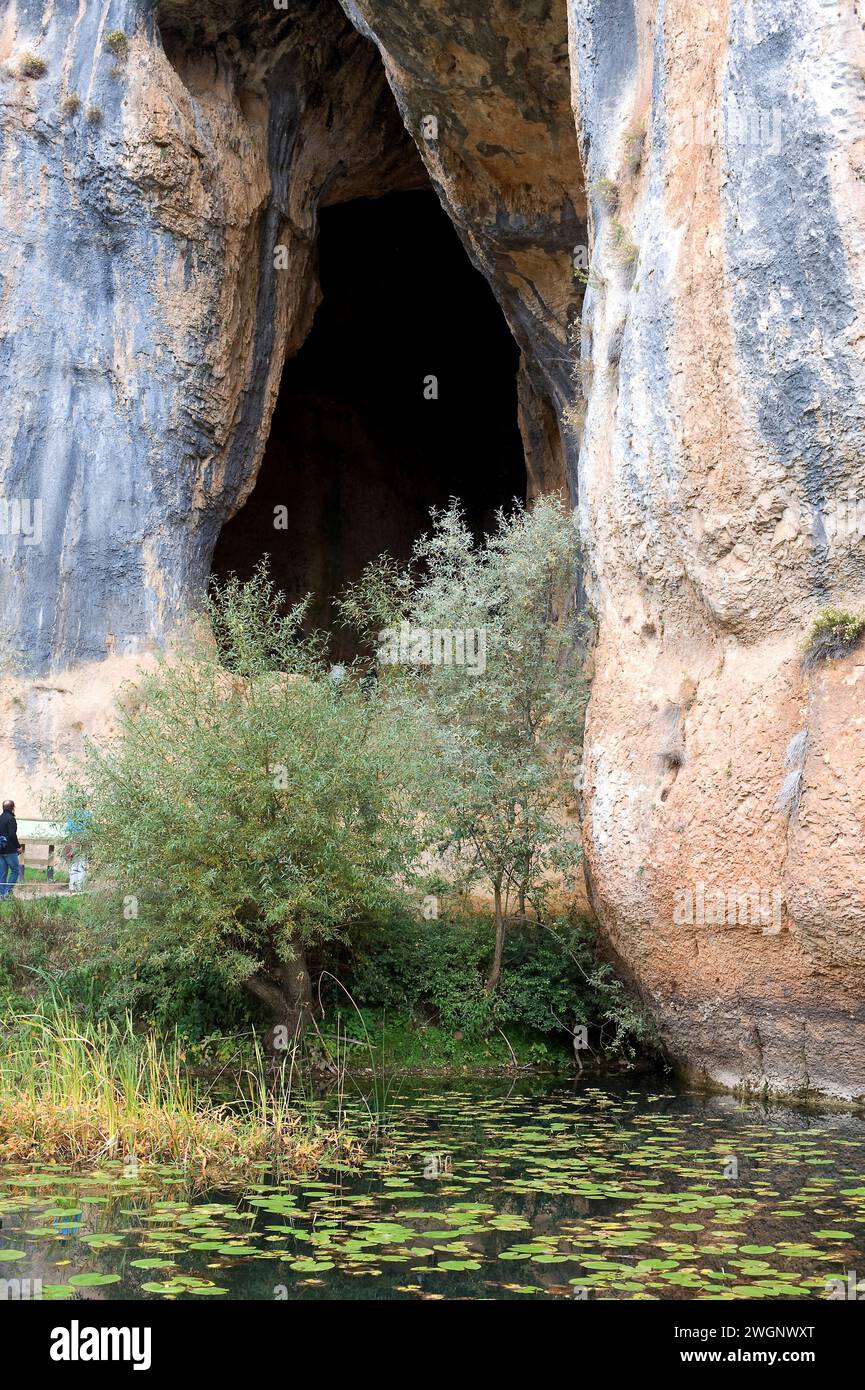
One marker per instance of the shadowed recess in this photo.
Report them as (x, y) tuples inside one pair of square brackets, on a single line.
[(363, 443)]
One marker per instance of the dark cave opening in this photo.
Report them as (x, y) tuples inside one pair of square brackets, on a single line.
[(361, 445)]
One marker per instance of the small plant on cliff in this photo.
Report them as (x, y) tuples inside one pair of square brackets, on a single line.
[(94, 115), (71, 104), (117, 43), (624, 251), (672, 751), (607, 193), (591, 278), (635, 139), (834, 633), (574, 415), (31, 66)]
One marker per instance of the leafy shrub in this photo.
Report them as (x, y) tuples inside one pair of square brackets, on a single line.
[(117, 42), (505, 730), (71, 104), (35, 940), (624, 251), (834, 633), (169, 991), (284, 801), (32, 66), (607, 193), (551, 981)]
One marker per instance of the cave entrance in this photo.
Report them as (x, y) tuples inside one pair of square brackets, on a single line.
[(403, 396)]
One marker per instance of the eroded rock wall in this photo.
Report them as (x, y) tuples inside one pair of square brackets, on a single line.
[(145, 182), (720, 467), (485, 91)]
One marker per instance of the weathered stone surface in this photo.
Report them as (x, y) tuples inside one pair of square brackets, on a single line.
[(715, 458), (144, 322), (504, 160)]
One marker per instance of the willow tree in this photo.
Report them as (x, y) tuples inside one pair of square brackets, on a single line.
[(507, 725), (253, 804)]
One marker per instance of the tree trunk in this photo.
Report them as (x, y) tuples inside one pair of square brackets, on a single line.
[(496, 972), (287, 992)]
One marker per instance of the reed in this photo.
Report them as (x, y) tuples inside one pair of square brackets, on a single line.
[(78, 1091)]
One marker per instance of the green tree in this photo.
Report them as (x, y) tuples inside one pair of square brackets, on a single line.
[(254, 803), (508, 721)]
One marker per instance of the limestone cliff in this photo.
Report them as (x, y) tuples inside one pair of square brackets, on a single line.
[(668, 201), (721, 461)]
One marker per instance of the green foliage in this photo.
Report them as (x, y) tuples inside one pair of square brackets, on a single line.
[(117, 42), (435, 971), (257, 808), (635, 139), (169, 989), (623, 251), (36, 937), (834, 633), (607, 192), (505, 731), (250, 805), (31, 66), (384, 1042)]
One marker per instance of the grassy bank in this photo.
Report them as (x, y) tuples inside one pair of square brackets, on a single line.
[(78, 1092), (406, 995)]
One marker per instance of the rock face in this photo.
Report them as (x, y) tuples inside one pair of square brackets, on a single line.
[(721, 457), (703, 169)]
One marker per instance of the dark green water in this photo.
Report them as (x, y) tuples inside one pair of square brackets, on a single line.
[(613, 1191)]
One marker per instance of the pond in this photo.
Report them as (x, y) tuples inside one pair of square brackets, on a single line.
[(527, 1190)]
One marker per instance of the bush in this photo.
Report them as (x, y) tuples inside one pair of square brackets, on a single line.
[(31, 66), (117, 43), (551, 981), (36, 937), (623, 251), (607, 193), (834, 633), (506, 729), (249, 808)]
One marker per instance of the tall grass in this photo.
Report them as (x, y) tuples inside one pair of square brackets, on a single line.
[(78, 1091)]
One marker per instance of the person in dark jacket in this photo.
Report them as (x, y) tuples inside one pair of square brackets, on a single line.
[(9, 849)]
